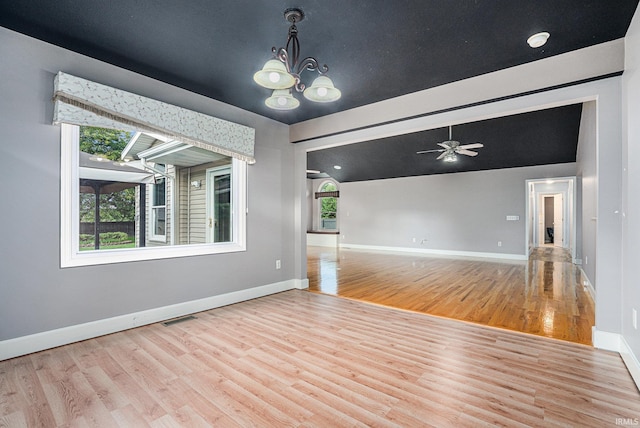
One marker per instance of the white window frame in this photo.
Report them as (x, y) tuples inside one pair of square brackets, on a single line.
[(70, 254), (152, 208)]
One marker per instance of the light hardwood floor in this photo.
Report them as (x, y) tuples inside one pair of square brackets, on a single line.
[(543, 296), (307, 359)]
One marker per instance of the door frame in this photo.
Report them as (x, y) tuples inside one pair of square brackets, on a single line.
[(210, 175), (551, 186)]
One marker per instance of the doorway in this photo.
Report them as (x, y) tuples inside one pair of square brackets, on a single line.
[(551, 220), (551, 214)]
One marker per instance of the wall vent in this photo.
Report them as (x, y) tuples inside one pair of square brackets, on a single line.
[(177, 320)]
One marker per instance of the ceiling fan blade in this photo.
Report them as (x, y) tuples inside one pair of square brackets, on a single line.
[(471, 146), (442, 155), (429, 151), (445, 145), (466, 152)]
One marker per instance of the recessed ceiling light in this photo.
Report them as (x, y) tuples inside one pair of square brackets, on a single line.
[(337, 167), (538, 39)]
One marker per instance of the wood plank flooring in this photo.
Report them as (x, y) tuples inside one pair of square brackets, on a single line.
[(312, 360), (543, 296)]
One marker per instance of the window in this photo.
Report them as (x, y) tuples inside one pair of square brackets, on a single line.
[(159, 207), (130, 196), (162, 194), (328, 207)]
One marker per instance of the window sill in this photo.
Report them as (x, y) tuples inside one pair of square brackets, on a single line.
[(85, 258)]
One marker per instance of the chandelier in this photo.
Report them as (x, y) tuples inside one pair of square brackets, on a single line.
[(282, 72)]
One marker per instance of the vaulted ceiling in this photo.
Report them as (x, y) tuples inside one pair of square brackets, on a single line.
[(375, 49), (527, 139)]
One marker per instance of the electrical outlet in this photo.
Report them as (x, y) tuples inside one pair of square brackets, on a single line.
[(414, 240), (278, 264), (499, 243), (586, 260), (634, 318)]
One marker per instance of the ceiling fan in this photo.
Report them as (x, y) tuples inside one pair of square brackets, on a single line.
[(451, 148)]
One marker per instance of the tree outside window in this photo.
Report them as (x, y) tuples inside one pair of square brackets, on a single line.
[(115, 207)]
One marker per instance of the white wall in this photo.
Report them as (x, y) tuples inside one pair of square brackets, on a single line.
[(36, 295), (631, 186), (587, 176), (463, 212), (309, 205)]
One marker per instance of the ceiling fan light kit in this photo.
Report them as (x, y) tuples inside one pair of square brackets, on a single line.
[(450, 157), (282, 72), (451, 149)]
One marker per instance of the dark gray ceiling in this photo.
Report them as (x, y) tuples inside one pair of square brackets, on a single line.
[(376, 49), (536, 138)]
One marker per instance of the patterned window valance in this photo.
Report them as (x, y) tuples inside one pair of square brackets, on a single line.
[(334, 194), (82, 102)]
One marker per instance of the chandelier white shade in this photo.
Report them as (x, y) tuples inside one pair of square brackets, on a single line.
[(322, 90), (281, 99), (282, 72), (274, 75)]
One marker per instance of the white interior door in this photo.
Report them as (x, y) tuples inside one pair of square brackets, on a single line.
[(541, 229), (558, 221)]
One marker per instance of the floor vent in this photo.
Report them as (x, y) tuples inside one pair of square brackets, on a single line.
[(177, 320)]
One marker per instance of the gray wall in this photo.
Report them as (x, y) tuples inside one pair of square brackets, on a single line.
[(453, 212), (631, 185), (36, 295), (587, 176)]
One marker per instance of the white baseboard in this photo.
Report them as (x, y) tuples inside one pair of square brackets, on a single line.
[(616, 342), (322, 240), (590, 289), (437, 252), (302, 284), (605, 340), (630, 361), (50, 339)]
